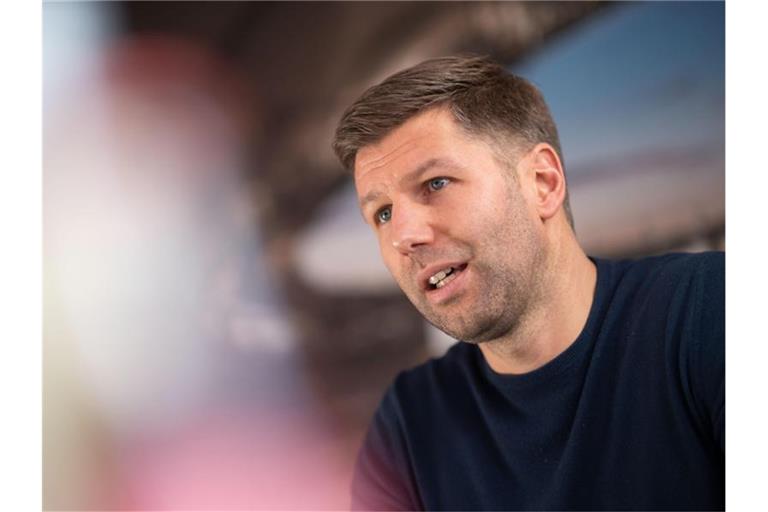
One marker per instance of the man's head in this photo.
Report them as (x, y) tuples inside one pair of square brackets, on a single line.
[(467, 212)]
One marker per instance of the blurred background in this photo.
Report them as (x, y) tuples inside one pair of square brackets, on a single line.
[(218, 327)]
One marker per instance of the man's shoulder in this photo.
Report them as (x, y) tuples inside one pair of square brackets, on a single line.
[(666, 273), (417, 415), (660, 286), (675, 263)]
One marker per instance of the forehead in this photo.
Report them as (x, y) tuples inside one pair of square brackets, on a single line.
[(430, 134)]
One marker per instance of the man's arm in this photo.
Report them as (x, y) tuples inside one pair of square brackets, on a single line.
[(382, 478)]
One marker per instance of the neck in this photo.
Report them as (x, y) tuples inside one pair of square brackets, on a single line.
[(555, 321)]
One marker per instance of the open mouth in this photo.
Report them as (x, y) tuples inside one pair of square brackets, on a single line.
[(443, 277)]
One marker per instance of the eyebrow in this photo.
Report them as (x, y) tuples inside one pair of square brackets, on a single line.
[(413, 175)]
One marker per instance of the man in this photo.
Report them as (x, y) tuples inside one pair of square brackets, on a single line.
[(580, 383)]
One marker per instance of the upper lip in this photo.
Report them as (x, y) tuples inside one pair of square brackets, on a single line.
[(433, 269)]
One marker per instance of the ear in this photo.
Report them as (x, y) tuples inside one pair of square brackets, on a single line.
[(547, 171)]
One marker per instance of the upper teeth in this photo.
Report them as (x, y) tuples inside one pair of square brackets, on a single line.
[(440, 275)]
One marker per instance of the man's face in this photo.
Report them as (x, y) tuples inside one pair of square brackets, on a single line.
[(441, 203)]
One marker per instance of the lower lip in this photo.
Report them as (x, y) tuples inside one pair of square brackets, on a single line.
[(448, 291)]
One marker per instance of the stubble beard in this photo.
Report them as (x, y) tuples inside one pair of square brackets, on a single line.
[(505, 292), (498, 309)]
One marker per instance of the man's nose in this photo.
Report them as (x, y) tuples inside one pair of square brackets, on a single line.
[(411, 228)]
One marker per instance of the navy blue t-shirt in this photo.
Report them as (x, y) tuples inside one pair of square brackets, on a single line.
[(630, 416)]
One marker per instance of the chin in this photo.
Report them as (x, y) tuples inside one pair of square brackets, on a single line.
[(481, 330), (474, 334)]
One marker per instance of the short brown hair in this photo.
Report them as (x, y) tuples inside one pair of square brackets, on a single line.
[(485, 99)]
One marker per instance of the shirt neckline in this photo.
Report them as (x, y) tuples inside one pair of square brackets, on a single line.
[(566, 360)]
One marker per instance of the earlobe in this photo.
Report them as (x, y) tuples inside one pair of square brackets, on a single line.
[(550, 180)]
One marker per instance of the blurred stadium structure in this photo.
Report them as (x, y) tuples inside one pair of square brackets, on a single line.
[(218, 327)]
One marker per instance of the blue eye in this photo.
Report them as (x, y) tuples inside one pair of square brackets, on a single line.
[(437, 183), (384, 215)]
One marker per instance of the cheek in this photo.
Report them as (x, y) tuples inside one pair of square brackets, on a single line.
[(388, 255), (394, 262)]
